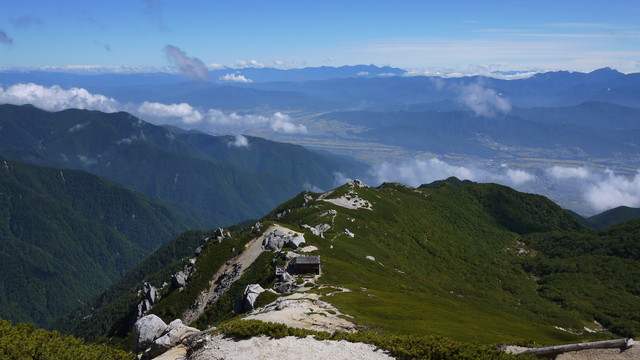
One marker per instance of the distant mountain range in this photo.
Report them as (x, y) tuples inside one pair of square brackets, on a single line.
[(365, 87), (204, 178), (610, 217)]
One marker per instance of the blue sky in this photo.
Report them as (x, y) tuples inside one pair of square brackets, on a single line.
[(424, 36)]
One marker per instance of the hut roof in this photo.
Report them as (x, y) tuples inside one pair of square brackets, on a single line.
[(306, 259)]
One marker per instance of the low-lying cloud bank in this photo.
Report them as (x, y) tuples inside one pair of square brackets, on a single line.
[(55, 98), (417, 172), (599, 190), (602, 190)]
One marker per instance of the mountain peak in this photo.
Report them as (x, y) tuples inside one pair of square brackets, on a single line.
[(449, 181), (605, 71)]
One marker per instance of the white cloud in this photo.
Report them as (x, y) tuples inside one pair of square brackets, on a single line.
[(282, 123), (340, 179), (564, 172), (216, 120), (613, 191), (519, 177), (235, 78), (87, 161), (473, 71), (602, 190), (55, 98), (363, 73), (127, 140), (313, 188), (191, 67), (482, 101), (215, 66), (184, 111), (239, 141), (245, 64), (77, 127)]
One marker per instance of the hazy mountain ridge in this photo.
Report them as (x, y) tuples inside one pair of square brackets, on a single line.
[(206, 178), (610, 217), (328, 88)]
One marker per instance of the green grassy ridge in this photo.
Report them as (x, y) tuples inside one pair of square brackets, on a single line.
[(445, 263), (69, 232), (455, 262), (449, 261), (400, 347), (25, 342)]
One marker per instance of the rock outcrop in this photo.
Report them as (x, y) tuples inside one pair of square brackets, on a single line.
[(145, 330), (170, 337), (317, 230), (152, 335), (278, 239), (178, 280), (149, 298), (251, 293)]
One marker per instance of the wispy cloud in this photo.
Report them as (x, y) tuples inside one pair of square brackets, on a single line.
[(155, 10), (483, 101), (26, 22), (516, 50), (191, 67), (565, 172), (239, 141), (5, 39), (480, 100), (91, 20)]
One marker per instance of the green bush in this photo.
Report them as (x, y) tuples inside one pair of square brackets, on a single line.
[(265, 298), (25, 342)]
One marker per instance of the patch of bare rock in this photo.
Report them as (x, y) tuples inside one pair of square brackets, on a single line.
[(303, 310), (218, 347)]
